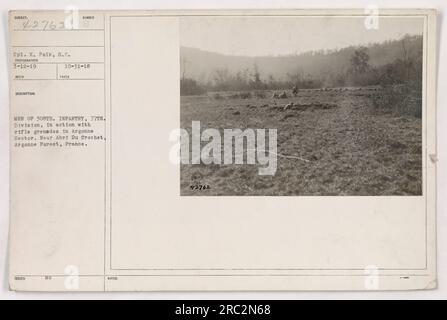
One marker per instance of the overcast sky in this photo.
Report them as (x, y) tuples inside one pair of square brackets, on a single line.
[(260, 36)]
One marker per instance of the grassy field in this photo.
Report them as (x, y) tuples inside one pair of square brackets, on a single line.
[(352, 147)]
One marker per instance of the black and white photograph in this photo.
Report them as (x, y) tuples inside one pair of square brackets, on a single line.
[(301, 106), (258, 151)]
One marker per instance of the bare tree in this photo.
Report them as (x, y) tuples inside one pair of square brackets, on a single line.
[(360, 61)]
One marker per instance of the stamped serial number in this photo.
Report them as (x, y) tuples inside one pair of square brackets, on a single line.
[(200, 187)]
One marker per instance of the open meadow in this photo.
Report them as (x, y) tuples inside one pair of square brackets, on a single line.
[(331, 141)]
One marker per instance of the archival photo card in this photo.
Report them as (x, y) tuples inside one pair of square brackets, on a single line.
[(214, 150), (301, 106)]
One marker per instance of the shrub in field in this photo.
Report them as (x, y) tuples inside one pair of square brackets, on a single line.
[(245, 95), (217, 96), (190, 87), (241, 95), (400, 99), (234, 96), (260, 94)]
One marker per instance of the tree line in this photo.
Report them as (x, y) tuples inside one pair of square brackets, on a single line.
[(358, 71)]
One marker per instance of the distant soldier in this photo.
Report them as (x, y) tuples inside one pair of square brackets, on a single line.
[(283, 95), (288, 106), (295, 90), (275, 95)]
